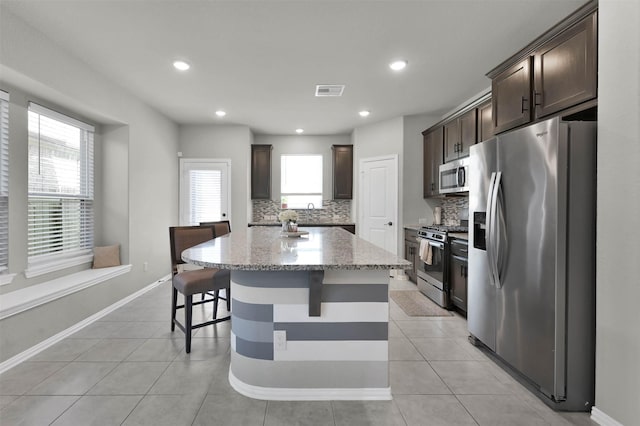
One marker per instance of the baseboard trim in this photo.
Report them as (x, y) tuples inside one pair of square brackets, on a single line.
[(308, 394), (36, 349), (603, 419)]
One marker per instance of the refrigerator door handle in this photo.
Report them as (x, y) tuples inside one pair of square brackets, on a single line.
[(489, 230), (498, 228)]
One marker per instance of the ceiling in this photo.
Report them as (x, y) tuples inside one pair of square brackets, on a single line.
[(260, 60)]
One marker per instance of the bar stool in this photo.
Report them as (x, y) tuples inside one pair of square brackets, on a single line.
[(197, 281)]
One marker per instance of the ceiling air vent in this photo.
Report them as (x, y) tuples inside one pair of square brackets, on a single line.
[(329, 89)]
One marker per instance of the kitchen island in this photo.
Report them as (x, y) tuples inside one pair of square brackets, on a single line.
[(309, 315)]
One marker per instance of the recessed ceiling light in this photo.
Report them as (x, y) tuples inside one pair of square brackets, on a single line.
[(181, 65), (364, 113), (398, 65), (299, 131), (220, 113)]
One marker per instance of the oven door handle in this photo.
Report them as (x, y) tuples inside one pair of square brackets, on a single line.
[(436, 244)]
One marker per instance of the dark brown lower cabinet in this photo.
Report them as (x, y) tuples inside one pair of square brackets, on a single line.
[(411, 248), (350, 228), (458, 275)]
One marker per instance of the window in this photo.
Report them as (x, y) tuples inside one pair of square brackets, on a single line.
[(4, 180), (300, 181), (60, 209), (204, 191)]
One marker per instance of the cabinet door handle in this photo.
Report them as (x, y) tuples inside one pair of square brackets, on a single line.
[(524, 102), (537, 96)]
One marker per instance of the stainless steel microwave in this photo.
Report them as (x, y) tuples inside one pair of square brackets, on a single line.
[(454, 176)]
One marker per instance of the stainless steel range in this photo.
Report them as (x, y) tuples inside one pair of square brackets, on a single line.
[(434, 252)]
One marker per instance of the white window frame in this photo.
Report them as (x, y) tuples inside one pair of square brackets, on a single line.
[(44, 263), (285, 195), (5, 277)]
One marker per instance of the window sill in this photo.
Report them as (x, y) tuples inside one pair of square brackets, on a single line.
[(35, 270), (6, 279), (14, 302)]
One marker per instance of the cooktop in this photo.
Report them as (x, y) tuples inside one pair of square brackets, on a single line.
[(447, 228)]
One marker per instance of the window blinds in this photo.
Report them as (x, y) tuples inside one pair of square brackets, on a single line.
[(60, 208), (205, 196), (4, 180)]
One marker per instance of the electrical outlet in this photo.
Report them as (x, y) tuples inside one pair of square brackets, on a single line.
[(422, 221), (280, 340), (145, 266)]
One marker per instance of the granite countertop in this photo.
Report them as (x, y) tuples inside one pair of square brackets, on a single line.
[(271, 223), (263, 248)]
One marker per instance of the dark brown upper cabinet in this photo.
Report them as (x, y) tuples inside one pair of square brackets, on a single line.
[(468, 132), (566, 69), (261, 172), (459, 135), (342, 172), (485, 123), (556, 72), (511, 96), (451, 140), (433, 140)]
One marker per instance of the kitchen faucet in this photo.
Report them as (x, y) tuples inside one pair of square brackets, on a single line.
[(309, 210)]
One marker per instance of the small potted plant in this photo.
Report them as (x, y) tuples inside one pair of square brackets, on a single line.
[(288, 218)]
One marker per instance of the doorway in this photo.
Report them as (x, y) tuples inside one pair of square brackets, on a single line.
[(204, 190), (378, 201)]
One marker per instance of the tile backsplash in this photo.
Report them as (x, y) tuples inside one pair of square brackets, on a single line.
[(331, 211), (451, 207)]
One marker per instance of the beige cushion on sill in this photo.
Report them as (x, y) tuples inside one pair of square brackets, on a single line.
[(104, 257)]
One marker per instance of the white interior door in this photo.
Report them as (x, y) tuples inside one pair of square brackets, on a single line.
[(379, 201), (204, 191)]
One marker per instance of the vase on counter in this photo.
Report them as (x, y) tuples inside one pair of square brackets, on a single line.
[(289, 226), (288, 219)]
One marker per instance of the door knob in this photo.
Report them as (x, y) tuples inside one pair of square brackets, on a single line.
[(389, 224)]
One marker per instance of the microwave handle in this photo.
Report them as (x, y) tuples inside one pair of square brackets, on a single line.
[(461, 177)]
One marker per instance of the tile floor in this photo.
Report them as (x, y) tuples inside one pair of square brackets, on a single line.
[(128, 369)]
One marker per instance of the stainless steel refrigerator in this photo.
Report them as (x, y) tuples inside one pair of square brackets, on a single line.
[(531, 282)]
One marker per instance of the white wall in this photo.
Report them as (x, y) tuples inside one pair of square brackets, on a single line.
[(224, 142), (375, 140), (618, 240), (298, 144), (415, 206), (138, 182)]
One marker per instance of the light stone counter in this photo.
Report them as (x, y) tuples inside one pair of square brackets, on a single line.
[(309, 316), (303, 223), (262, 248)]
